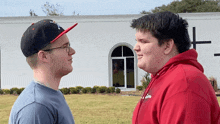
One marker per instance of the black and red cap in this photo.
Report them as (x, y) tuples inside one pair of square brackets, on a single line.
[(40, 34)]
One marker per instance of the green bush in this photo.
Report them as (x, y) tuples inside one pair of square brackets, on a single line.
[(102, 89), (1, 91), (96, 87), (140, 88), (65, 90), (146, 80), (14, 90), (79, 88), (112, 89), (19, 91), (118, 90), (108, 90), (93, 90), (73, 90), (89, 89), (84, 90), (6, 91)]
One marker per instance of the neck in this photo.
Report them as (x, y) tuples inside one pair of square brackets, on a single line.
[(46, 78)]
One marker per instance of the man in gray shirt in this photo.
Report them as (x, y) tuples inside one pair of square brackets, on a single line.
[(47, 50)]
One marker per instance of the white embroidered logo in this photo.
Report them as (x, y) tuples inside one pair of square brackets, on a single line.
[(147, 97)]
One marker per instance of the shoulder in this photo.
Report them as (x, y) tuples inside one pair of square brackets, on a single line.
[(186, 73), (35, 113), (189, 79), (194, 78)]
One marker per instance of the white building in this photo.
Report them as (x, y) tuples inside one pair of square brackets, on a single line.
[(104, 49)]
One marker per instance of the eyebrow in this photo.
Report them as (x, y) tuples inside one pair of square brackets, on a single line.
[(68, 43), (140, 40)]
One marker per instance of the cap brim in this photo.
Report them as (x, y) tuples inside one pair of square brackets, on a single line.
[(64, 32)]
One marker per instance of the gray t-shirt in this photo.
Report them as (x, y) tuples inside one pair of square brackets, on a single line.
[(38, 104)]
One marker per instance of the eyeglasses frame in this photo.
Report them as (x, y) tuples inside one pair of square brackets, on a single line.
[(62, 47)]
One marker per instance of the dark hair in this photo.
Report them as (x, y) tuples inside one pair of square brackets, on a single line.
[(165, 26)]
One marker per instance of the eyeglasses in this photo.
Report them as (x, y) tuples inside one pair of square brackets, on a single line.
[(67, 47)]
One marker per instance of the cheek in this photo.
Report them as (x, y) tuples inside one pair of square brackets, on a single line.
[(151, 54), (147, 51), (57, 61), (158, 56)]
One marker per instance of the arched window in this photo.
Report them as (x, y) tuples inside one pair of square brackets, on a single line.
[(123, 67)]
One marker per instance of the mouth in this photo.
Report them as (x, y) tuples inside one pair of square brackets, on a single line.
[(71, 60), (139, 56)]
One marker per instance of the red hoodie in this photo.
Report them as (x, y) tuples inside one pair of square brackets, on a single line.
[(178, 94)]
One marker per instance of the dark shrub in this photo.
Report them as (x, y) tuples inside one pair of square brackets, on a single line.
[(112, 89), (73, 90), (20, 90), (88, 89), (118, 90), (140, 88), (1, 91), (93, 90), (96, 87), (14, 90), (65, 91), (84, 90), (108, 90), (6, 91), (102, 89), (79, 88)]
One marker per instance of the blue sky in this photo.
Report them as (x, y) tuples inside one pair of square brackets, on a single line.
[(83, 7)]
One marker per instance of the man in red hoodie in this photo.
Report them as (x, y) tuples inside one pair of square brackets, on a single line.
[(179, 92)]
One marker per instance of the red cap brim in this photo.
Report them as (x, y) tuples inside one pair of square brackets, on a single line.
[(64, 32)]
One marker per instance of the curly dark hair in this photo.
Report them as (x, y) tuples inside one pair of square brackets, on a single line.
[(165, 26)]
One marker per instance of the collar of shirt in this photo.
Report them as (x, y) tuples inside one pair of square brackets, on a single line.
[(47, 84)]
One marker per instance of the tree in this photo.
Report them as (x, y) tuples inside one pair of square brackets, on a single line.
[(187, 6), (32, 13), (52, 10), (74, 13)]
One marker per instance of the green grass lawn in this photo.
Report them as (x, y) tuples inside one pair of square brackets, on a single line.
[(87, 108)]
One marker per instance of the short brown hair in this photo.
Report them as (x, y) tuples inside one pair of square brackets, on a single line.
[(32, 60)]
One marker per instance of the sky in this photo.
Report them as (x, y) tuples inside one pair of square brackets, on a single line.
[(9, 8)]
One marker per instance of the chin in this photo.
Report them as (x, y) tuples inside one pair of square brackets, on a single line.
[(143, 67), (140, 65), (66, 72), (69, 70)]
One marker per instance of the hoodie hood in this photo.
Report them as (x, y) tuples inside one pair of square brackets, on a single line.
[(188, 57)]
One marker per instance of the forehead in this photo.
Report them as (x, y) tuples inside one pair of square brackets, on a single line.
[(141, 34)]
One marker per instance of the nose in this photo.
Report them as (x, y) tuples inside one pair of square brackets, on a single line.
[(72, 51), (136, 47)]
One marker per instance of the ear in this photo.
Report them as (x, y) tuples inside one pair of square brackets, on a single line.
[(43, 56), (169, 46)]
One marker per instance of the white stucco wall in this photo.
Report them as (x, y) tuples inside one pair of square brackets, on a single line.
[(207, 29), (93, 38)]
